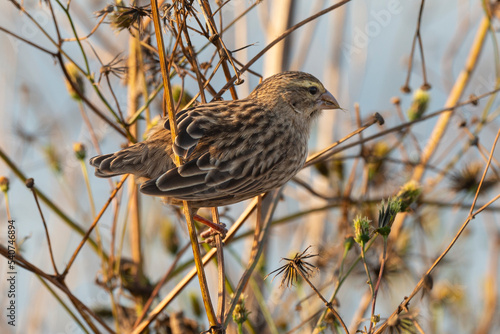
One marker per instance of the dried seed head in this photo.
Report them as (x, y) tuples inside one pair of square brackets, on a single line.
[(396, 100), (467, 179), (406, 89), (30, 183)]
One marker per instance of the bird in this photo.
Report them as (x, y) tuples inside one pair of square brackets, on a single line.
[(231, 150)]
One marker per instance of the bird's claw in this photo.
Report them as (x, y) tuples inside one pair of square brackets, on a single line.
[(209, 235)]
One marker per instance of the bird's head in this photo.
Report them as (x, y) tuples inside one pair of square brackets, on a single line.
[(300, 93)]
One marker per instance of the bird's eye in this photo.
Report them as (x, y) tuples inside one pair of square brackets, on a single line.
[(313, 90)]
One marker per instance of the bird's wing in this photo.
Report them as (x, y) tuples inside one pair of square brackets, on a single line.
[(204, 178), (196, 122)]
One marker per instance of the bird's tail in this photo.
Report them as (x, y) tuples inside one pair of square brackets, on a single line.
[(102, 164), (130, 160)]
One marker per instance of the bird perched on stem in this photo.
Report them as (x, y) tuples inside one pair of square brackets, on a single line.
[(232, 150)]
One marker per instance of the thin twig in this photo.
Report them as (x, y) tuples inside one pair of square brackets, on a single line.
[(91, 228), (46, 231)]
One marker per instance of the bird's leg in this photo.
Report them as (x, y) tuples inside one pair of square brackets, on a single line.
[(214, 227)]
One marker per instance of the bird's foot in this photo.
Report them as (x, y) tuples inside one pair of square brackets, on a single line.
[(213, 229)]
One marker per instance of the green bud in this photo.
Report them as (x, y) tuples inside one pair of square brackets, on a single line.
[(419, 104), (409, 194), (240, 313), (348, 242), (361, 230), (387, 215)]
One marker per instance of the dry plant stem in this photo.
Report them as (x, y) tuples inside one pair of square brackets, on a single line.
[(54, 55), (76, 227), (471, 216), (486, 322), (159, 285), (96, 220), (90, 34), (327, 151), (173, 130), (277, 40), (377, 286), (221, 303), (205, 293), (363, 259), (327, 304), (164, 71), (358, 317), (56, 281), (63, 304), (339, 283), (192, 59), (416, 38), (216, 39), (7, 207), (272, 200), (133, 206), (398, 128), (190, 275), (46, 232)]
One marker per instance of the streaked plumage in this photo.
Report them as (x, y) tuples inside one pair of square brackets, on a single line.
[(232, 150)]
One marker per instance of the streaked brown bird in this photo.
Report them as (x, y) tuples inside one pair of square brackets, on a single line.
[(232, 150)]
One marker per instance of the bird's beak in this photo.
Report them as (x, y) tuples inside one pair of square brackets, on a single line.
[(327, 101)]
